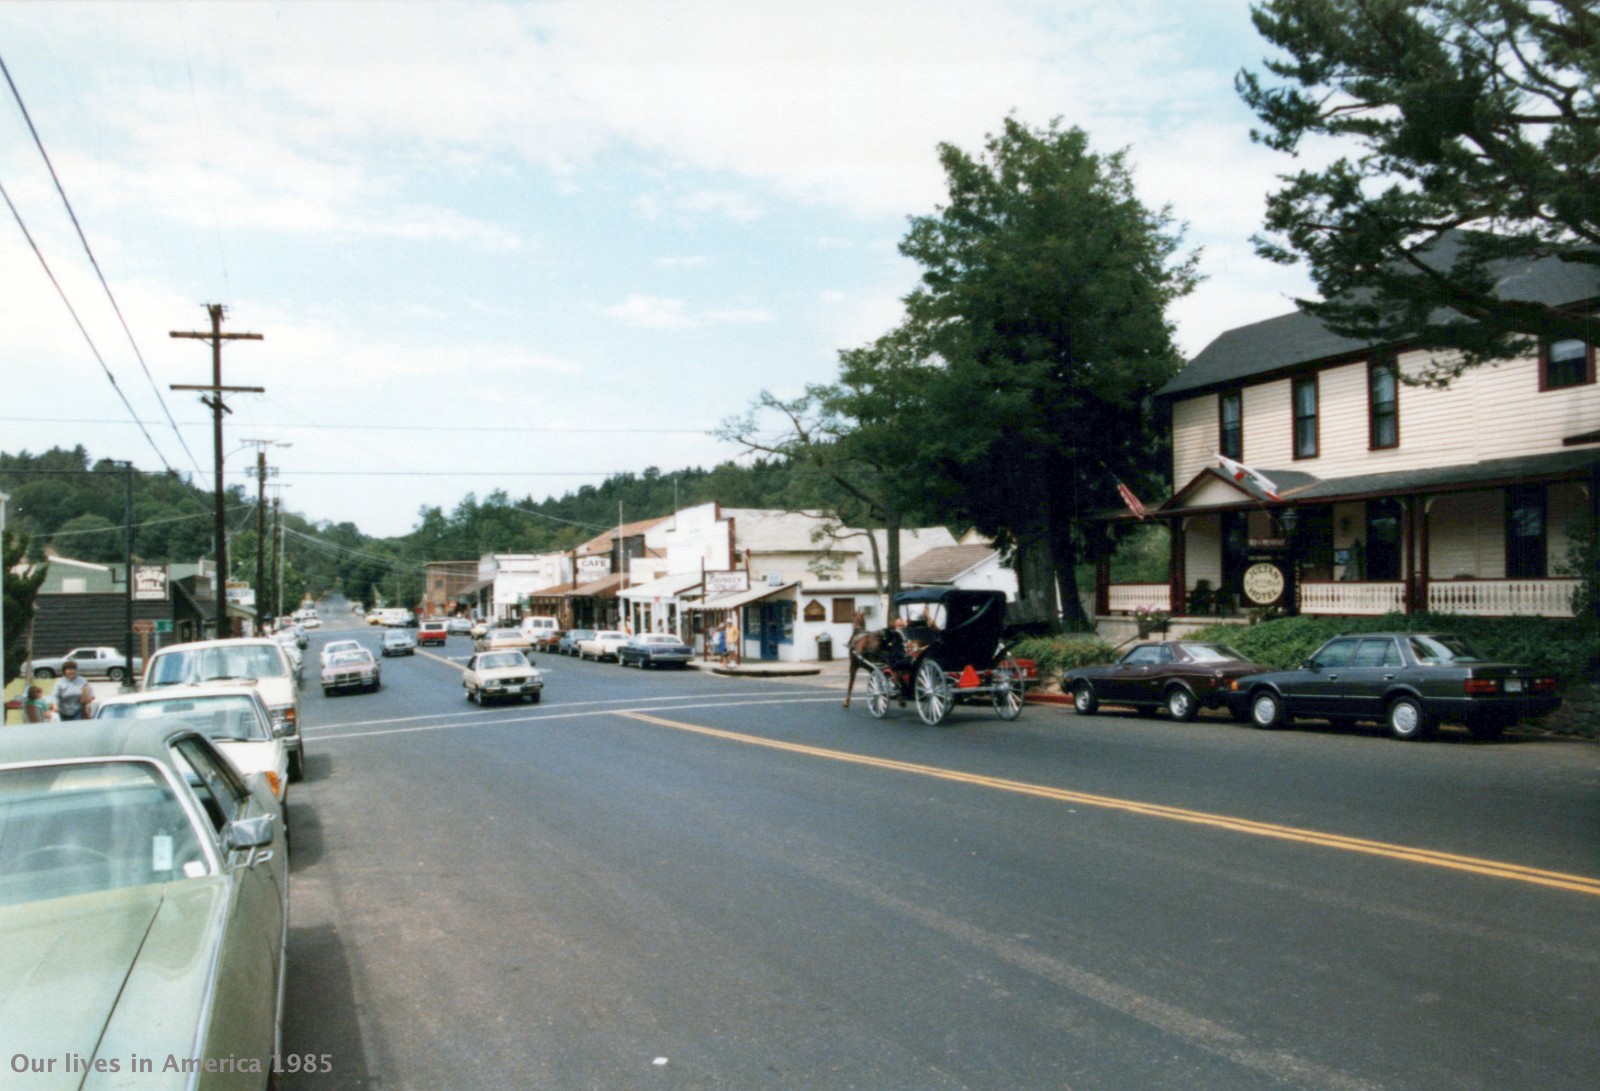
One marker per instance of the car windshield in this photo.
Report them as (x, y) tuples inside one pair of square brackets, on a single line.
[(188, 666), (341, 646), (506, 634), (502, 659), (1211, 653), (348, 659), (226, 717), (1444, 649), (395, 636), (83, 827)]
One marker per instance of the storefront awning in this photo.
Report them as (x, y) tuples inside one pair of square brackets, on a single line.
[(666, 587), (735, 599), (604, 588)]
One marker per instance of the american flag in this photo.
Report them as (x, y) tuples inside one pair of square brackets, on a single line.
[(1132, 501)]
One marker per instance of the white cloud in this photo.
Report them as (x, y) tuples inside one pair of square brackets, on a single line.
[(656, 312)]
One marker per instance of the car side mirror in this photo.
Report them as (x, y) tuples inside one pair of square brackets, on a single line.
[(250, 833), (1306, 665)]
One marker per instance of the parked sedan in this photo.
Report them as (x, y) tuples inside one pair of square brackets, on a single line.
[(398, 642), (1182, 676), (548, 641), (351, 670), (1409, 682), (460, 626), (143, 900), (232, 715), (655, 650), (602, 644), (492, 676), (568, 644)]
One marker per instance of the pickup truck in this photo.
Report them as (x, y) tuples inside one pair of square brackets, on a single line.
[(92, 663)]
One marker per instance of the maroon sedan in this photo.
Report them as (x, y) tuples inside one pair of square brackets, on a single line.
[(1182, 676)]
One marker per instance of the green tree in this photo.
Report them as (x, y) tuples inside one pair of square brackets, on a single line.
[(1477, 140), (20, 589), (89, 538), (1044, 291)]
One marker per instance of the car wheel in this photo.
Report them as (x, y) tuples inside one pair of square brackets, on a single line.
[(297, 765), (536, 697), (44, 672), (326, 692), (1084, 702), (115, 674), (1266, 709), (1407, 721), (1181, 704)]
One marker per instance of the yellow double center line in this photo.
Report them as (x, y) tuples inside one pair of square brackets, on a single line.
[(1495, 869)]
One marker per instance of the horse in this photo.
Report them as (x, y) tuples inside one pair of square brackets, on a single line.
[(863, 642), (868, 648)]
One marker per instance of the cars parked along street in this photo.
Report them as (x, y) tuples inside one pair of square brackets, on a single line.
[(502, 675), (230, 714), (568, 644), (602, 644), (496, 640), (1409, 682), (655, 650), (259, 658), (1182, 676)]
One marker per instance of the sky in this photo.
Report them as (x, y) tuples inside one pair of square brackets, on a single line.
[(527, 246)]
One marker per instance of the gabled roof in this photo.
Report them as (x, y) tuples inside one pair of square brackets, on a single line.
[(944, 564), (1295, 340), (602, 542)]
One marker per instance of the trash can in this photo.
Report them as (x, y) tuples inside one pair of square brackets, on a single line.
[(825, 647)]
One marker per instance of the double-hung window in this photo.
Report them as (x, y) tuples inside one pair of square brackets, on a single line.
[(1383, 403), (1305, 417), (1230, 420), (1565, 363)]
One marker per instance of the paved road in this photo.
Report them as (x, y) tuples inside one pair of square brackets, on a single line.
[(686, 881)]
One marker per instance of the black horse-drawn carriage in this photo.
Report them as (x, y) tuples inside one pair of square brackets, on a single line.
[(943, 646)]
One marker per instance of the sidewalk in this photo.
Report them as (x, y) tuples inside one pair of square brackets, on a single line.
[(835, 669)]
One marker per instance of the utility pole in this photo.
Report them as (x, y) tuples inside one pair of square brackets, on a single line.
[(216, 389), (261, 446)]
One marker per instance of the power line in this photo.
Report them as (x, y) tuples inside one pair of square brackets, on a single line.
[(388, 427), (112, 379), (135, 526), (87, 249)]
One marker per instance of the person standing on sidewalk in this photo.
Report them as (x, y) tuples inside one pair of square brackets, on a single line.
[(73, 695)]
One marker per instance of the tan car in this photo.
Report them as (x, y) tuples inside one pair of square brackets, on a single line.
[(501, 676)]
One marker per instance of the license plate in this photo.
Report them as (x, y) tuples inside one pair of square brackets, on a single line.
[(1513, 685)]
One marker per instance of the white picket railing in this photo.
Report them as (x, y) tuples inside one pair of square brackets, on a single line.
[(1502, 598), (1361, 597), (1125, 598)]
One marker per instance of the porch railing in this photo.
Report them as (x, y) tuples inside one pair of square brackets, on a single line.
[(1502, 598), (1125, 598), (1359, 597)]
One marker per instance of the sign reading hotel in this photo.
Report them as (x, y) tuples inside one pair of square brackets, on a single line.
[(722, 583), (150, 583), (1264, 583)]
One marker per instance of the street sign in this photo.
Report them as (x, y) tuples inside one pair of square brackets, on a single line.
[(163, 625), (143, 625)]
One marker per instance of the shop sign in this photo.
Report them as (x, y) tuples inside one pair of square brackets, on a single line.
[(150, 583), (723, 583), (815, 611), (1264, 583)]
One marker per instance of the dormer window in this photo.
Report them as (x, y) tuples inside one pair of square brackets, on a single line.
[(1565, 363), (1230, 413)]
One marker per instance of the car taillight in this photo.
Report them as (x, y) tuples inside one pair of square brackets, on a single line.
[(1481, 686), (1542, 685)]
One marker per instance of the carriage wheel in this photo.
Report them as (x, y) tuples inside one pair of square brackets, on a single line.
[(933, 693), (881, 689), (1007, 689)]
